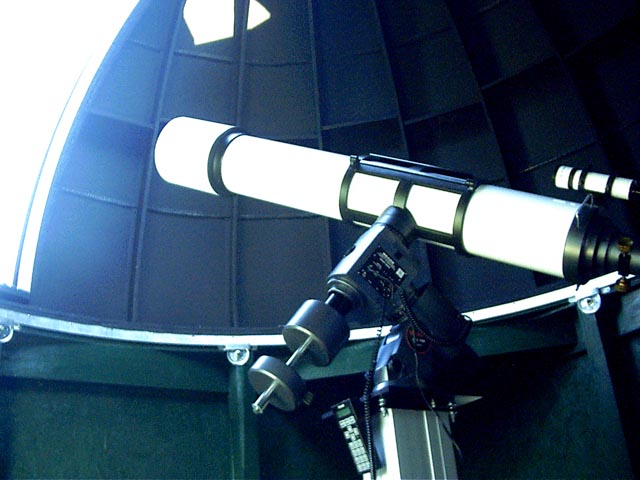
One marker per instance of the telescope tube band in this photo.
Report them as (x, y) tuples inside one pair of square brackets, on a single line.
[(410, 183), (214, 165)]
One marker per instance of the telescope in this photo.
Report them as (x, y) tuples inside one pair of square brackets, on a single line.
[(560, 238), (569, 178), (424, 360)]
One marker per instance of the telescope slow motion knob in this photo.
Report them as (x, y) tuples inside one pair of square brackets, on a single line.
[(625, 245)]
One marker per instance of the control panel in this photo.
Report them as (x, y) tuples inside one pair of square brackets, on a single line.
[(348, 422)]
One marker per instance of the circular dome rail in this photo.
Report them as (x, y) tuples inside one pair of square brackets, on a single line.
[(15, 321)]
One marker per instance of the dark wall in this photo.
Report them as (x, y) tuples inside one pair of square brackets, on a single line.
[(77, 408), (68, 430)]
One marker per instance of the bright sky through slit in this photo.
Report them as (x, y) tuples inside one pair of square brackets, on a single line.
[(44, 47), (209, 21)]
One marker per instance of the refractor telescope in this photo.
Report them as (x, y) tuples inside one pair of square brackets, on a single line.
[(424, 360), (556, 237)]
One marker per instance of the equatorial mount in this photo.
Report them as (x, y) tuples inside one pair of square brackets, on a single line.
[(378, 265)]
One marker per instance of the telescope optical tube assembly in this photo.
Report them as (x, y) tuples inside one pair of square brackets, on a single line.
[(556, 237), (570, 178)]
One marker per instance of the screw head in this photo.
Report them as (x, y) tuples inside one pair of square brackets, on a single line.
[(238, 356), (6, 333), (590, 304)]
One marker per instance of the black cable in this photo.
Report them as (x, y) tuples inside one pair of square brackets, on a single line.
[(428, 404), (367, 400), (369, 383), (431, 337), (464, 331)]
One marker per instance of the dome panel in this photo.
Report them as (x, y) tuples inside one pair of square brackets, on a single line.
[(462, 140), (346, 98), (504, 40), (346, 28), (281, 263), (184, 273), (433, 76), (575, 24), (84, 259), (153, 24), (606, 76), (102, 159), (201, 87), (542, 109), (284, 38), (405, 22), (128, 85), (383, 137), (457, 277), (271, 90)]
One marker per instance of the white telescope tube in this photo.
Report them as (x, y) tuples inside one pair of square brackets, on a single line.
[(182, 152), (517, 228), (288, 175)]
